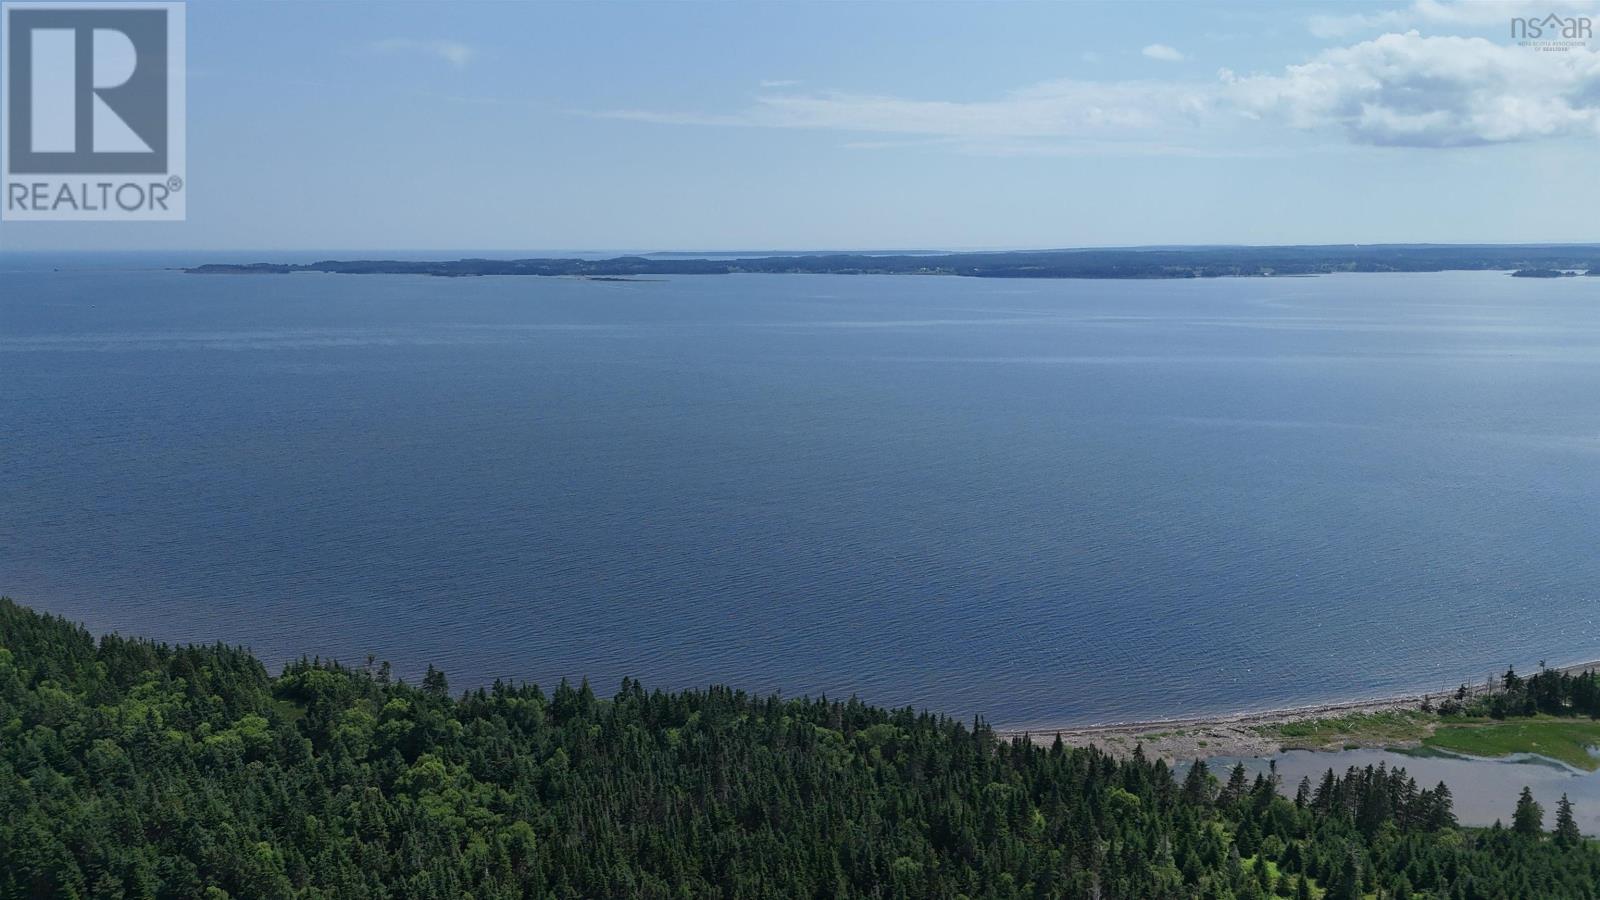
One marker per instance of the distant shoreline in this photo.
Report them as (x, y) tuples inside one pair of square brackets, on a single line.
[(1251, 733), (1528, 261)]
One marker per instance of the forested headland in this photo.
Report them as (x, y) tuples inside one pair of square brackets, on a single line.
[(1529, 260), (135, 769)]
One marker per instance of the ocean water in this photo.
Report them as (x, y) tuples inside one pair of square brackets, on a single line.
[(1043, 502)]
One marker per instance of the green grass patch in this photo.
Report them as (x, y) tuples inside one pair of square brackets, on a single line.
[(1359, 728), (1564, 740)]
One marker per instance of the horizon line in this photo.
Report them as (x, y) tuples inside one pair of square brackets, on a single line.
[(925, 251)]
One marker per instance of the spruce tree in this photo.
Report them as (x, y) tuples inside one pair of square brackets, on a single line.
[(1347, 885), (1528, 820), (1567, 833), (1196, 786), (1440, 813), (1237, 784)]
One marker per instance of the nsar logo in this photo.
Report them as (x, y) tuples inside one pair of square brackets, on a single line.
[(1552, 32)]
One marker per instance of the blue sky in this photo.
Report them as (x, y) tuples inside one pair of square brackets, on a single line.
[(522, 126)]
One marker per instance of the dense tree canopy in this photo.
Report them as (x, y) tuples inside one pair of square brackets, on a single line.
[(1554, 692), (134, 769)]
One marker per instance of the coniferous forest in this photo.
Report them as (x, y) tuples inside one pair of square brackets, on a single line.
[(134, 769)]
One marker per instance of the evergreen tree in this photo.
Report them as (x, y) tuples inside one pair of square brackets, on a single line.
[(1197, 784), (1528, 819), (1237, 784), (1347, 884), (1440, 811), (1567, 833)]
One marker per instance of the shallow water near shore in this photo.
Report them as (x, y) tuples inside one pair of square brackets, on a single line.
[(1046, 502), (1484, 790)]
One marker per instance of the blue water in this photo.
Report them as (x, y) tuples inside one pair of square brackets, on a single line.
[(1047, 502)]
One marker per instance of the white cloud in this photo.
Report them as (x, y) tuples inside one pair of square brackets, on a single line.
[(1162, 52), (1053, 109), (1395, 90), (667, 117), (453, 52), (772, 83), (1410, 90)]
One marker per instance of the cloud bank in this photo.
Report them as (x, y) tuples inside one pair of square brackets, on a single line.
[(1415, 91), (1395, 90)]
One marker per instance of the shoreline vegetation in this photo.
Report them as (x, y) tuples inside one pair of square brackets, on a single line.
[(130, 768), (1492, 719), (1522, 260)]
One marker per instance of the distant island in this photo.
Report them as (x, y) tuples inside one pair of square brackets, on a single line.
[(1550, 273), (1524, 260)]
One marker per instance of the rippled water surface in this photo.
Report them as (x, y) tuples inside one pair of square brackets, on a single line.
[(1042, 501)]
